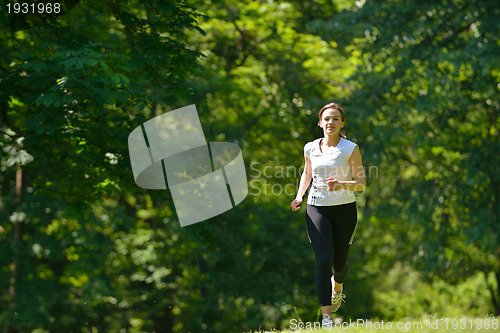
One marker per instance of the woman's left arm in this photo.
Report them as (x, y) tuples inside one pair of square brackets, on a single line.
[(359, 182)]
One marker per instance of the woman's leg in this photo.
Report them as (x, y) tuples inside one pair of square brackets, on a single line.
[(319, 230), (345, 220)]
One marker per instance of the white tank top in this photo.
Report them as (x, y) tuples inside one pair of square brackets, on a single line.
[(334, 164)]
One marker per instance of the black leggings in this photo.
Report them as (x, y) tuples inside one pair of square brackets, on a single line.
[(331, 232)]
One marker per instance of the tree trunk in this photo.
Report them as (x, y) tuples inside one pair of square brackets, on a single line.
[(203, 270), (165, 323), (17, 238), (495, 294), (497, 274)]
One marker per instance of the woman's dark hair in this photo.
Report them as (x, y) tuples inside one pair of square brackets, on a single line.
[(333, 106)]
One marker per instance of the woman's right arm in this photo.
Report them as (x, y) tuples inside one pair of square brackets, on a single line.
[(305, 180)]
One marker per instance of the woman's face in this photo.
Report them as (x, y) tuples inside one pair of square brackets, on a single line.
[(331, 121)]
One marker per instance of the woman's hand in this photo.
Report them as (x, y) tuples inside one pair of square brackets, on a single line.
[(333, 184), (295, 204)]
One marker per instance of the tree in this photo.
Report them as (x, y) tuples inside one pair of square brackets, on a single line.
[(80, 232)]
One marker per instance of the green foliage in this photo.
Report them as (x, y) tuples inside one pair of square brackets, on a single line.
[(433, 80), (402, 294), (83, 245), (420, 104)]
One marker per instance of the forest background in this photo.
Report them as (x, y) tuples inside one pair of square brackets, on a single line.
[(83, 248)]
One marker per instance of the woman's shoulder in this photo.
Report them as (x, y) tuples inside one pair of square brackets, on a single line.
[(348, 146), (311, 143), (349, 142), (310, 146)]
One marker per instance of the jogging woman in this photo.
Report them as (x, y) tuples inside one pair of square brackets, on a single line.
[(334, 166)]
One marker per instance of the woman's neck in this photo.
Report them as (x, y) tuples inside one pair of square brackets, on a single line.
[(331, 140)]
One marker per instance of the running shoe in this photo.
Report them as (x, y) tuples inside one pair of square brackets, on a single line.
[(337, 299), (327, 321)]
